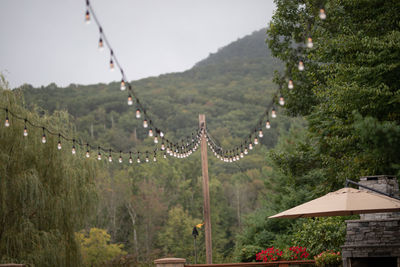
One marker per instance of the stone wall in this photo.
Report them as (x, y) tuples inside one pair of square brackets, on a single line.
[(385, 183)]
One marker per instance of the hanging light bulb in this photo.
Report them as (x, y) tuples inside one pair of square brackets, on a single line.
[(154, 158), (111, 61), (161, 134), (7, 122), (290, 84), (322, 14), (260, 133), (120, 157), (251, 146), (87, 154), (155, 140), (301, 65), (268, 124), (130, 100), (137, 113), (147, 157), (162, 146), (73, 150), (109, 157), (25, 129), (138, 160), (87, 17), (130, 160), (101, 44), (123, 86), (145, 124), (99, 154), (59, 145), (256, 140), (246, 151), (150, 132), (281, 101), (44, 137), (273, 113), (241, 154), (309, 42)]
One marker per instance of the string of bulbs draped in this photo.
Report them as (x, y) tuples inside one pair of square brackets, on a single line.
[(182, 150)]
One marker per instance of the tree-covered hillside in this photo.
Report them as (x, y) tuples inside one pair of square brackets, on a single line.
[(144, 206)]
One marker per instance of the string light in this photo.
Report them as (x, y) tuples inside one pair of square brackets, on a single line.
[(256, 140), (162, 146), (138, 114), (165, 155), (44, 136), (310, 42), (59, 142), (147, 156), (111, 61), (290, 84), (25, 129), (155, 140), (130, 158), (109, 156), (281, 101), (101, 44), (120, 157), (7, 121), (87, 17), (150, 132), (123, 86), (155, 157), (260, 133), (98, 154), (130, 100), (87, 151), (138, 158), (273, 113), (301, 65), (322, 14), (145, 124), (268, 124), (73, 150)]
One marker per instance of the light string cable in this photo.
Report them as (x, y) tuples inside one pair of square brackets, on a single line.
[(239, 152), (101, 150), (125, 84)]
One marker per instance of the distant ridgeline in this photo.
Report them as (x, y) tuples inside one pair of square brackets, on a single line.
[(232, 87)]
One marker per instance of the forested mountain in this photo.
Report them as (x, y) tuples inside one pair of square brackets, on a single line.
[(151, 208)]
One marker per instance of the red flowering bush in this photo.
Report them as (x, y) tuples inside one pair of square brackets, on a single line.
[(296, 253), (275, 254), (270, 254)]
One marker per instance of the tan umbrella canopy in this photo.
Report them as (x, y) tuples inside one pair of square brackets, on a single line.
[(346, 201)]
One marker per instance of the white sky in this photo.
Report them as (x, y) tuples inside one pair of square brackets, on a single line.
[(45, 41)]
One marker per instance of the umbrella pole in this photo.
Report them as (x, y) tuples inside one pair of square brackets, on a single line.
[(369, 188)]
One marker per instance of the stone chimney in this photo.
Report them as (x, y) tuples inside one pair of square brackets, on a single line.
[(385, 183)]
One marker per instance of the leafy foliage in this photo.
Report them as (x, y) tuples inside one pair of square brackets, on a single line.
[(96, 248), (46, 194)]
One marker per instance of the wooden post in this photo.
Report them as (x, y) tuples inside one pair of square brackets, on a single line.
[(206, 193)]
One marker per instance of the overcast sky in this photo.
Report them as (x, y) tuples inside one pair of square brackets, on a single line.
[(45, 41)]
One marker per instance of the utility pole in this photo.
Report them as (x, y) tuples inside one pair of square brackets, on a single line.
[(206, 192)]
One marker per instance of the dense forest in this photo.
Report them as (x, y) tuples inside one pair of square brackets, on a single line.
[(340, 120)]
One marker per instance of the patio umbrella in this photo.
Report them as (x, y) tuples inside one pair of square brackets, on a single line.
[(345, 201)]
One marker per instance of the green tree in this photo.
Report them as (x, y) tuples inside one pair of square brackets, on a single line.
[(46, 194), (96, 247), (350, 80)]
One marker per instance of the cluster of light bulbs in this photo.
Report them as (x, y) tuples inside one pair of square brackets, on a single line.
[(154, 131), (309, 44), (183, 150)]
